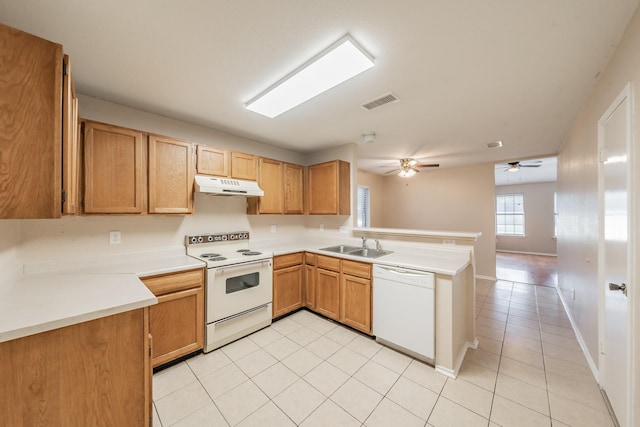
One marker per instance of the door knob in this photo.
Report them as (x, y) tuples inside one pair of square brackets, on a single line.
[(616, 287)]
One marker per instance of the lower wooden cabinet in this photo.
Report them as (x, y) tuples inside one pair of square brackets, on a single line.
[(310, 280), (287, 283), (94, 373), (177, 321), (328, 293), (355, 302)]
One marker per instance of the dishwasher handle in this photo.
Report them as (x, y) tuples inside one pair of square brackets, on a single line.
[(402, 271), (403, 275)]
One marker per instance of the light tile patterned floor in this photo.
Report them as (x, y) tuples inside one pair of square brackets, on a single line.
[(305, 370)]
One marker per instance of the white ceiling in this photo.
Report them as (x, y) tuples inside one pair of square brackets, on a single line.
[(468, 72)]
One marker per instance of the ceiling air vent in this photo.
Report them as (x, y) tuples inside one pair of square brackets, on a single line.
[(384, 99)]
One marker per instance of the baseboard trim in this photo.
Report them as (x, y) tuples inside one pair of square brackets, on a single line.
[(491, 278), (592, 364), (525, 253), (453, 373)]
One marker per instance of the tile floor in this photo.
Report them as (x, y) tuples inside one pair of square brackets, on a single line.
[(305, 370)]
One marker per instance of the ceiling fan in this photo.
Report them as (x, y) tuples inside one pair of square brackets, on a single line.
[(515, 166), (409, 167)]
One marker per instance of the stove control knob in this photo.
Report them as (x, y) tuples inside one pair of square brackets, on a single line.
[(209, 238), (193, 239), (200, 239)]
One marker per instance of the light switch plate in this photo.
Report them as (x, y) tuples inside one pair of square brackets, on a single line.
[(115, 238), (273, 228)]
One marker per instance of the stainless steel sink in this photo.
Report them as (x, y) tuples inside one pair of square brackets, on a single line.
[(369, 253), (341, 249)]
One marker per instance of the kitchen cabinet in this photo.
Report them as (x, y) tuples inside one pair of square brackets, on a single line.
[(34, 175), (271, 180), (243, 166), (88, 374), (115, 169), (329, 188), (213, 161), (177, 322), (310, 280), (355, 295), (293, 189), (328, 286), (287, 283), (225, 163), (70, 142), (171, 171), (282, 184)]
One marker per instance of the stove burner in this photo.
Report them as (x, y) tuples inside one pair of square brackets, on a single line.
[(217, 258), (210, 255), (249, 253), (243, 250)]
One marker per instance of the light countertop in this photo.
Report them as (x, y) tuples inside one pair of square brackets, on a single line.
[(55, 294)]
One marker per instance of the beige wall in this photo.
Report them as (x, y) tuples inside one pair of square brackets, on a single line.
[(538, 214), (578, 196), (376, 196), (452, 199)]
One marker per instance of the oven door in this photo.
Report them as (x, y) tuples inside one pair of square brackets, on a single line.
[(237, 288)]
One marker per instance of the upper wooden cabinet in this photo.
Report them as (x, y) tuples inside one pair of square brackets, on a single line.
[(114, 169), (225, 163), (70, 143), (31, 126), (171, 170), (282, 184), (329, 188), (213, 161), (243, 166), (293, 189)]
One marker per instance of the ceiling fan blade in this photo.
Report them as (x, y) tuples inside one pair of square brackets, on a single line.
[(529, 166), (392, 171), (427, 165)]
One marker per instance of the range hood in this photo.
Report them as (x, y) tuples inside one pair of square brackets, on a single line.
[(226, 186)]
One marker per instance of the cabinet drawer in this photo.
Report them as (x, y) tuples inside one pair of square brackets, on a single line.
[(282, 261), (328, 263), (355, 268), (172, 282), (309, 258)]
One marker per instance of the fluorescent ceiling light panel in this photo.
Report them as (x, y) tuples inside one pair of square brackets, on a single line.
[(336, 64)]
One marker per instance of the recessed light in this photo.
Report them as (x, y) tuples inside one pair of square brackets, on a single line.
[(336, 64), (369, 137)]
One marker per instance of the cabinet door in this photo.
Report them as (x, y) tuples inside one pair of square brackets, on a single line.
[(328, 293), (30, 126), (70, 143), (329, 188), (213, 161), (310, 286), (177, 324), (287, 290), (243, 166), (171, 170), (355, 302), (115, 175), (270, 180), (293, 189)]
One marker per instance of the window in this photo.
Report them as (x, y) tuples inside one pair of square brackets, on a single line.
[(510, 214), (363, 206)]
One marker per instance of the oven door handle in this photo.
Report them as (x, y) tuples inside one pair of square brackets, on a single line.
[(244, 313), (241, 265)]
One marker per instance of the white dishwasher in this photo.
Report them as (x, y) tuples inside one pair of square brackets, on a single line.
[(404, 310)]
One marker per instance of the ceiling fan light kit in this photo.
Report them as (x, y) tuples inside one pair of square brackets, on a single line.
[(515, 166), (369, 137)]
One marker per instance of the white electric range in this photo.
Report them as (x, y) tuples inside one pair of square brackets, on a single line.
[(239, 286)]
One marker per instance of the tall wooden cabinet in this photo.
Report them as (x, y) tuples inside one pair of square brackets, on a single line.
[(31, 126), (94, 373), (171, 170), (329, 188), (177, 321)]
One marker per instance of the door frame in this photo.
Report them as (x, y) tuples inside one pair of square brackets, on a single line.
[(633, 246)]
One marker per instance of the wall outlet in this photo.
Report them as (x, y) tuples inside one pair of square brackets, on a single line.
[(448, 242), (115, 238), (344, 229), (573, 294), (273, 228), (321, 227)]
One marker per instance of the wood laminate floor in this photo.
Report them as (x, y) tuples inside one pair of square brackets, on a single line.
[(524, 268)]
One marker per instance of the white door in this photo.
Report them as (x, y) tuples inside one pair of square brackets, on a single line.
[(615, 142)]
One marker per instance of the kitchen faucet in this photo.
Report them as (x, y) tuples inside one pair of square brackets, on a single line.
[(364, 242), (378, 245)]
